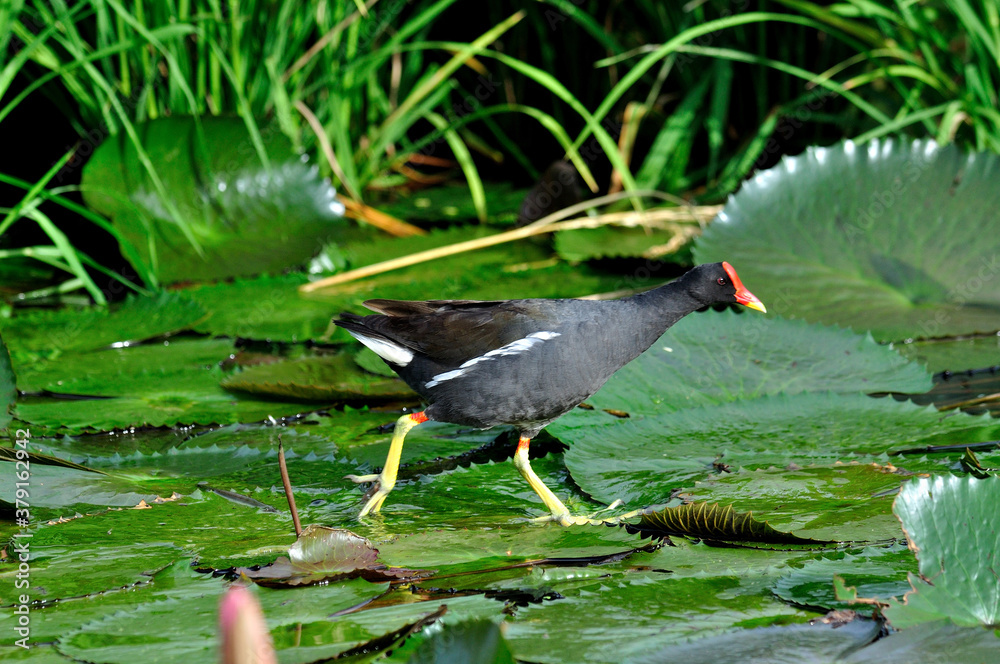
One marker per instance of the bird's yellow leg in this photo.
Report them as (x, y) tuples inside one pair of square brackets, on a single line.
[(558, 511), (386, 480), (556, 508)]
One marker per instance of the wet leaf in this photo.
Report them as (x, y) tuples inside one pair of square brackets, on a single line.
[(8, 391), (613, 242), (876, 572), (953, 354), (975, 391), (322, 555), (971, 465), (722, 389), (935, 643), (953, 525), (479, 642), (454, 203), (893, 236), (134, 320), (328, 379), (713, 522), (269, 308), (221, 190), (812, 643)]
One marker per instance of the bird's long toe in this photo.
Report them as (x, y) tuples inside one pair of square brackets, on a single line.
[(375, 500), (362, 479)]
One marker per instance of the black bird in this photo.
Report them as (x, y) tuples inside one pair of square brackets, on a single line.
[(521, 362)]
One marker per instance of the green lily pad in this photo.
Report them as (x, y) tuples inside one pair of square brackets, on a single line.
[(737, 390), (247, 218), (953, 354), (152, 385), (479, 642), (327, 378), (62, 487), (712, 522), (838, 502), (954, 526), (454, 203), (321, 555), (269, 308), (815, 642), (166, 400), (936, 643), (877, 572), (136, 319), (303, 621), (623, 615), (114, 372), (896, 237), (611, 242), (8, 391)]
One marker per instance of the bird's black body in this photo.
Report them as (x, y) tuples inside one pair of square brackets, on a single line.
[(526, 362)]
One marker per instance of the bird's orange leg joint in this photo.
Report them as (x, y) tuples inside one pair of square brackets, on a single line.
[(386, 480), (554, 505)]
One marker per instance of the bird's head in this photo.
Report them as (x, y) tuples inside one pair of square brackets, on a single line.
[(718, 282)]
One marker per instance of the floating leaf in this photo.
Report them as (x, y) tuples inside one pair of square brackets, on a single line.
[(8, 391), (953, 525), (953, 354), (730, 389), (322, 555), (479, 642), (269, 308), (878, 572), (324, 378), (941, 643), (970, 464), (713, 523), (897, 237), (814, 642), (136, 319), (614, 242), (112, 372), (976, 391), (454, 203), (247, 218)]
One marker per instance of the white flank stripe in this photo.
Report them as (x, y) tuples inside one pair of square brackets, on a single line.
[(513, 348), (441, 377), (386, 350)]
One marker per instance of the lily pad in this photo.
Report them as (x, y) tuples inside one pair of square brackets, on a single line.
[(719, 388), (893, 236), (479, 642), (322, 555), (877, 572), (712, 522), (136, 319), (246, 217), (953, 525), (953, 354), (8, 391), (328, 378), (152, 385), (813, 643), (268, 308), (614, 242)]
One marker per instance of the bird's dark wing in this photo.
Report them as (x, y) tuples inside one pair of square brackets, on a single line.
[(449, 332)]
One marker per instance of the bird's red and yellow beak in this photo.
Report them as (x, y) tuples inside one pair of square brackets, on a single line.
[(743, 296)]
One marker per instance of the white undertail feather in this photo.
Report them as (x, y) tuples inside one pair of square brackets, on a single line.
[(513, 348), (387, 350)]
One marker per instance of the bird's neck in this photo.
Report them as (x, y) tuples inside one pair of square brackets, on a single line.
[(656, 310)]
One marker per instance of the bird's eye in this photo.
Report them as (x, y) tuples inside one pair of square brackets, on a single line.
[(721, 281)]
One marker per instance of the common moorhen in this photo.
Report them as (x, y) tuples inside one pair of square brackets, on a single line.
[(521, 362)]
